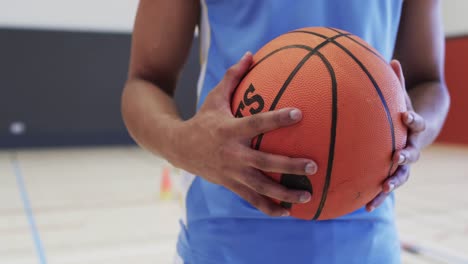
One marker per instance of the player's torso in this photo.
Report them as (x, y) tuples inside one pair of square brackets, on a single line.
[(219, 227), (229, 28)]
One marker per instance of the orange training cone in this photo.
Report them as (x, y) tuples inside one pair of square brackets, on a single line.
[(166, 184)]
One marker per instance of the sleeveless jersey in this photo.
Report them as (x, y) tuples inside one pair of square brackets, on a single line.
[(220, 227)]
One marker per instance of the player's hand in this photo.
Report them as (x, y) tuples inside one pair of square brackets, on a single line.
[(216, 145), (405, 157)]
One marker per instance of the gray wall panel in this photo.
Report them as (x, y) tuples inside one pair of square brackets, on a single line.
[(65, 87)]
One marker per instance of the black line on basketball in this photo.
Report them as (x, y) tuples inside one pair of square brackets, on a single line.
[(309, 32), (295, 182), (335, 30), (331, 153), (367, 48), (320, 35), (299, 46), (377, 89), (259, 141), (294, 46), (362, 45), (381, 96), (348, 36), (291, 76), (289, 79), (334, 121)]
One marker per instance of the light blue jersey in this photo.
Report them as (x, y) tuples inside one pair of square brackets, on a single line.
[(219, 227)]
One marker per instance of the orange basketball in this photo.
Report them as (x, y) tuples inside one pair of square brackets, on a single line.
[(351, 102)]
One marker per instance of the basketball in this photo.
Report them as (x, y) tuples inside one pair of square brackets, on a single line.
[(351, 102)]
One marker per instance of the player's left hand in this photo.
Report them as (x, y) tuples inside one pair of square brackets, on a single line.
[(410, 154)]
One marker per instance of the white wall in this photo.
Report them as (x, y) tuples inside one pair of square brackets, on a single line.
[(94, 15), (455, 17), (118, 15)]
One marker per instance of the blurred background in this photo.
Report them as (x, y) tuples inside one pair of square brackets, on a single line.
[(74, 188)]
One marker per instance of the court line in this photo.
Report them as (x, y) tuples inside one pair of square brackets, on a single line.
[(434, 252), (154, 251), (53, 228), (105, 205), (28, 209)]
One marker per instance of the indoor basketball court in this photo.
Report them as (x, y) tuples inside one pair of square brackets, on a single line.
[(134, 220), (75, 188)]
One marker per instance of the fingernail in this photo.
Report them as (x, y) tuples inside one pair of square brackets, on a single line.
[(401, 159), (391, 187), (372, 208), (295, 114), (305, 197), (310, 168), (245, 55), (285, 213), (410, 118)]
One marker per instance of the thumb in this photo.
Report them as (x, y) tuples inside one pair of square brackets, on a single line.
[(396, 66), (235, 74)]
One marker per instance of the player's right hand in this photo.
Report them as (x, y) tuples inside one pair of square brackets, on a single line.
[(216, 146)]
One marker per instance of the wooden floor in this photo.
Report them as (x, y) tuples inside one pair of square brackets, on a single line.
[(102, 205)]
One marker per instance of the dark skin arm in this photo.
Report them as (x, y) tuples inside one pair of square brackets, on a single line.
[(420, 49), (148, 109), (213, 144), (151, 117)]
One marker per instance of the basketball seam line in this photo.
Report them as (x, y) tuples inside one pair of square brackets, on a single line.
[(331, 150), (381, 96), (360, 44), (334, 116), (313, 51), (280, 49), (299, 46), (309, 32), (348, 36), (291, 76), (377, 89)]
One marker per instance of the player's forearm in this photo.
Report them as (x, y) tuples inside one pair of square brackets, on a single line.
[(150, 115), (431, 100)]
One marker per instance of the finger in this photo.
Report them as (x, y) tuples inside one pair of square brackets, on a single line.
[(396, 66), (400, 177), (235, 74), (255, 125), (409, 104), (396, 180), (408, 155), (279, 164), (258, 201), (377, 201), (415, 122), (266, 186)]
